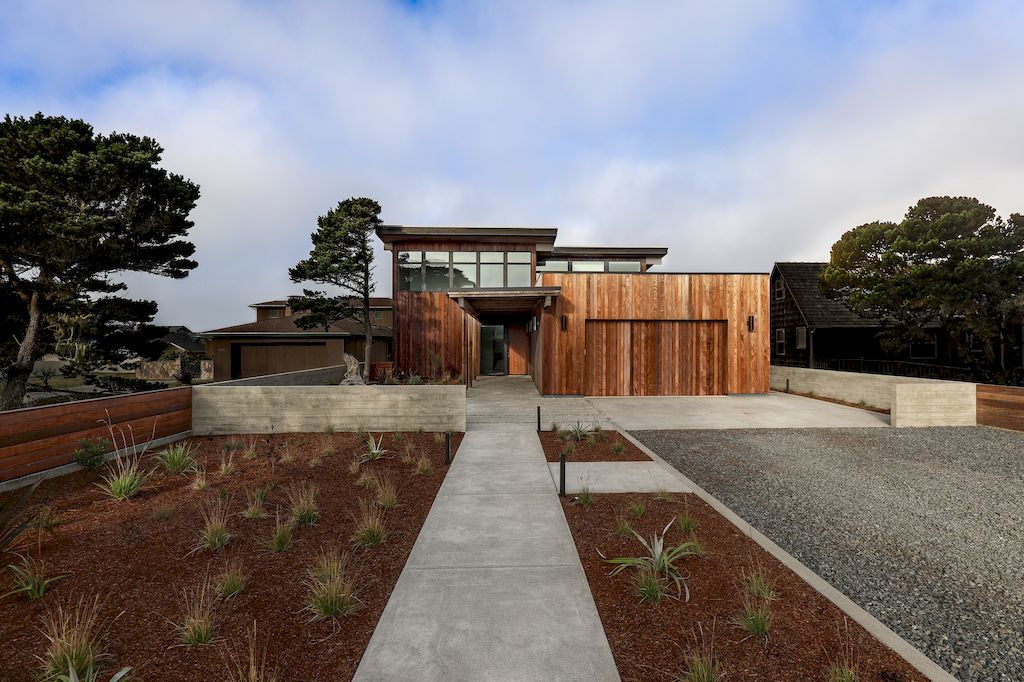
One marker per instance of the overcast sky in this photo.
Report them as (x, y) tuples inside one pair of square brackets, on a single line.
[(735, 133)]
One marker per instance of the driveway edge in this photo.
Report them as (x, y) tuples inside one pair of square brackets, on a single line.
[(875, 627)]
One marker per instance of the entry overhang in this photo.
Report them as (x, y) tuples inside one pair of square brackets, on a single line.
[(499, 301)]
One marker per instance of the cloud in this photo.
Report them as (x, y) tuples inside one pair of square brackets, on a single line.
[(735, 133)]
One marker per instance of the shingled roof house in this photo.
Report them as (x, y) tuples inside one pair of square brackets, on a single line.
[(810, 329), (274, 344)]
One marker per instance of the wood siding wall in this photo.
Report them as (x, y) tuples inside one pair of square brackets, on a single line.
[(1001, 406), (432, 335), (39, 438), (603, 296)]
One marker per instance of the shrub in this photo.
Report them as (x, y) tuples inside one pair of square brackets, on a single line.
[(29, 578), (281, 538), (584, 496), (196, 626), (331, 598), (756, 617), (304, 508), (369, 525), (387, 493), (214, 535), (423, 466), (90, 452), (178, 458), (72, 640), (125, 478), (660, 559), (231, 581)]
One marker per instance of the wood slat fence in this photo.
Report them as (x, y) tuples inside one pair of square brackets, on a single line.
[(1001, 406), (38, 438)]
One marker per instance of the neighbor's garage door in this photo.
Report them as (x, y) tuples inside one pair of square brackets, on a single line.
[(655, 357), (261, 359)]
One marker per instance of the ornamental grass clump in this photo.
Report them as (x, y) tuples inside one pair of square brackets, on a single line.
[(423, 466), (73, 641), (232, 445), (214, 534), (369, 525), (638, 509), (29, 578), (302, 500), (199, 478), (91, 452), (330, 563), (686, 524), (660, 560), (197, 625), (249, 450), (125, 478), (387, 492), (622, 526), (254, 504), (756, 617), (331, 598), (758, 585), (178, 458), (702, 668), (281, 538), (651, 587), (254, 667), (839, 672), (231, 581), (584, 496), (618, 449), (227, 465)]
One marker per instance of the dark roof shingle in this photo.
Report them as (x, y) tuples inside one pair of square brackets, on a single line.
[(286, 325), (802, 280)]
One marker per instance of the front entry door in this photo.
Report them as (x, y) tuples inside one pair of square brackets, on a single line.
[(493, 350)]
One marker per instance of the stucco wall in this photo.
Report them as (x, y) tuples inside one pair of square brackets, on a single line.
[(226, 408)]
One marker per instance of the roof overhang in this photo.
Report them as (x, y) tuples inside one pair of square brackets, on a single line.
[(503, 301), (541, 237), (276, 335), (652, 254)]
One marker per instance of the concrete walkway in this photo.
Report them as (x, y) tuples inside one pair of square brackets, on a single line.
[(510, 403), (494, 588)]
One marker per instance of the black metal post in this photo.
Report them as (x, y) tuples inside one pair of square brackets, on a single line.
[(561, 474), (538, 418), (447, 448)]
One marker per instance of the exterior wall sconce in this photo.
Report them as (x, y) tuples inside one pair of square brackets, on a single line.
[(565, 322), (750, 323)]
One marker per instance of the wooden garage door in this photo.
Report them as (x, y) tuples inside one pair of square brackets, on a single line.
[(261, 359), (655, 357)]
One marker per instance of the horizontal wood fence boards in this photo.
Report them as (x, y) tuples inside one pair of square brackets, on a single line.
[(38, 438), (1001, 406)]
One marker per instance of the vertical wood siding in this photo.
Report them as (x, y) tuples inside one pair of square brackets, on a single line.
[(39, 438), (726, 298), (518, 349), (433, 334)]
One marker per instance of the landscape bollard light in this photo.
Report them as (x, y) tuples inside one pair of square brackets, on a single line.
[(561, 474), (447, 448), (538, 418)]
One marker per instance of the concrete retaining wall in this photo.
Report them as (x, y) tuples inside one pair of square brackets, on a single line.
[(231, 408), (321, 376), (874, 390), (944, 404)]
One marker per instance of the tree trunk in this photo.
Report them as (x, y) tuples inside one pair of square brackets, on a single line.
[(20, 370), (368, 329)]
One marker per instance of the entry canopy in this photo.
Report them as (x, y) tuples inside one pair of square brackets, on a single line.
[(503, 301)]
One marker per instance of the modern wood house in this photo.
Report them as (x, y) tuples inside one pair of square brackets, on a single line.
[(578, 320), (274, 344)]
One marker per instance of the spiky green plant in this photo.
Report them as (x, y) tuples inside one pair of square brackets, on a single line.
[(29, 577), (618, 448), (302, 499), (281, 538), (197, 626), (374, 449), (125, 478), (579, 432), (73, 640), (369, 525), (214, 534), (12, 522), (660, 559), (178, 458)]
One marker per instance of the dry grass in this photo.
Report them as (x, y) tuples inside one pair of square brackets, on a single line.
[(369, 525), (73, 640)]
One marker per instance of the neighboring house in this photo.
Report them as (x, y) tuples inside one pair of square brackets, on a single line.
[(181, 339), (579, 320), (810, 329), (274, 344)]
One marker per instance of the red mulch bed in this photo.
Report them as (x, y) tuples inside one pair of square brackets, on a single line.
[(653, 642), (834, 401), (591, 449), (139, 564)]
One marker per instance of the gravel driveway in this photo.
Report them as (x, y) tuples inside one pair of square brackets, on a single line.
[(923, 528)]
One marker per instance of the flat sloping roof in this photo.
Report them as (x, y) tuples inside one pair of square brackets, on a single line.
[(375, 302), (608, 252), (279, 326), (543, 237)]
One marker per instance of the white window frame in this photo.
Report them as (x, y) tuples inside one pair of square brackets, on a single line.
[(780, 341), (780, 289)]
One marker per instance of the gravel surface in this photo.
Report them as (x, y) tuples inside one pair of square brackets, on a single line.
[(923, 528)]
